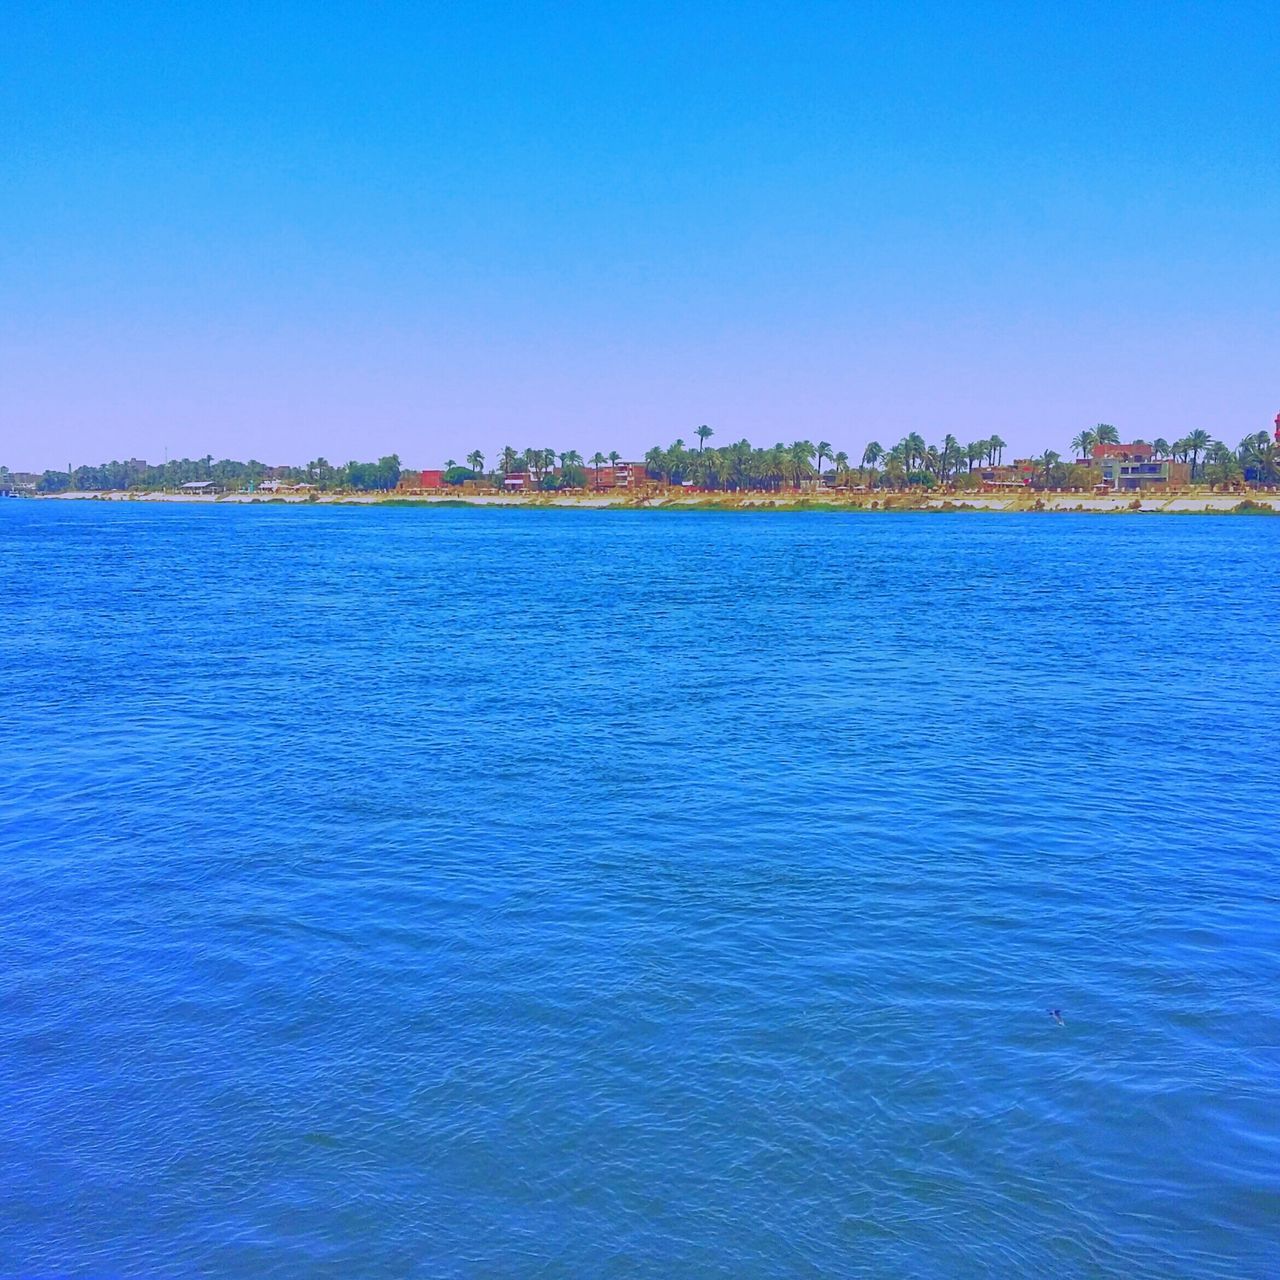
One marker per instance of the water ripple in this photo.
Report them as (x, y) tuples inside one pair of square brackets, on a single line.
[(476, 893)]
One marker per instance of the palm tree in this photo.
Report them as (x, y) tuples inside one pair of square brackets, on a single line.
[(597, 461), (823, 451), (509, 459), (704, 433), (975, 451), (614, 458), (475, 460), (917, 451), (950, 450), (997, 447), (1223, 461), (896, 464), (1049, 460), (779, 463), (677, 461), (841, 461), (1197, 442), (1159, 447), (801, 453), (1260, 454), (871, 455), (1105, 433), (1083, 444)]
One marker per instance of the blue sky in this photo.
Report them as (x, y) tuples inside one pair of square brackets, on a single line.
[(289, 230)]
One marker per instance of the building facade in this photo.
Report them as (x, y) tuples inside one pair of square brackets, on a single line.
[(1134, 466)]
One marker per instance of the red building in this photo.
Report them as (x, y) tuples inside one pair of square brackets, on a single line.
[(625, 475), (418, 480), (1125, 452)]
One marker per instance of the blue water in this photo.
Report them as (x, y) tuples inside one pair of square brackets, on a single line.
[(400, 892)]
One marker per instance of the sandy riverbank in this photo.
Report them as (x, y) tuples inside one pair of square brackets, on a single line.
[(1181, 503)]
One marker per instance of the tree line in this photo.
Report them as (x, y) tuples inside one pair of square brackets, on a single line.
[(742, 465), (911, 462), (384, 474)]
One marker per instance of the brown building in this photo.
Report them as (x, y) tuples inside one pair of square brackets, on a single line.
[(1011, 475)]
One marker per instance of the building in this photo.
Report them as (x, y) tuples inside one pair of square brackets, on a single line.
[(1135, 466), (416, 481), (1011, 475), (621, 475), (199, 487), (1139, 451)]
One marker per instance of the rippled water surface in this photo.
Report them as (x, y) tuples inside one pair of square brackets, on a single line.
[(402, 892)]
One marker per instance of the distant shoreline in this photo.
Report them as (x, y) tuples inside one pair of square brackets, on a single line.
[(1085, 503)]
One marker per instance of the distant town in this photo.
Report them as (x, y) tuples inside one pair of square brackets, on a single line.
[(1099, 460)]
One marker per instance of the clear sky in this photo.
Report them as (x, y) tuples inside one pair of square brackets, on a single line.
[(285, 230)]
